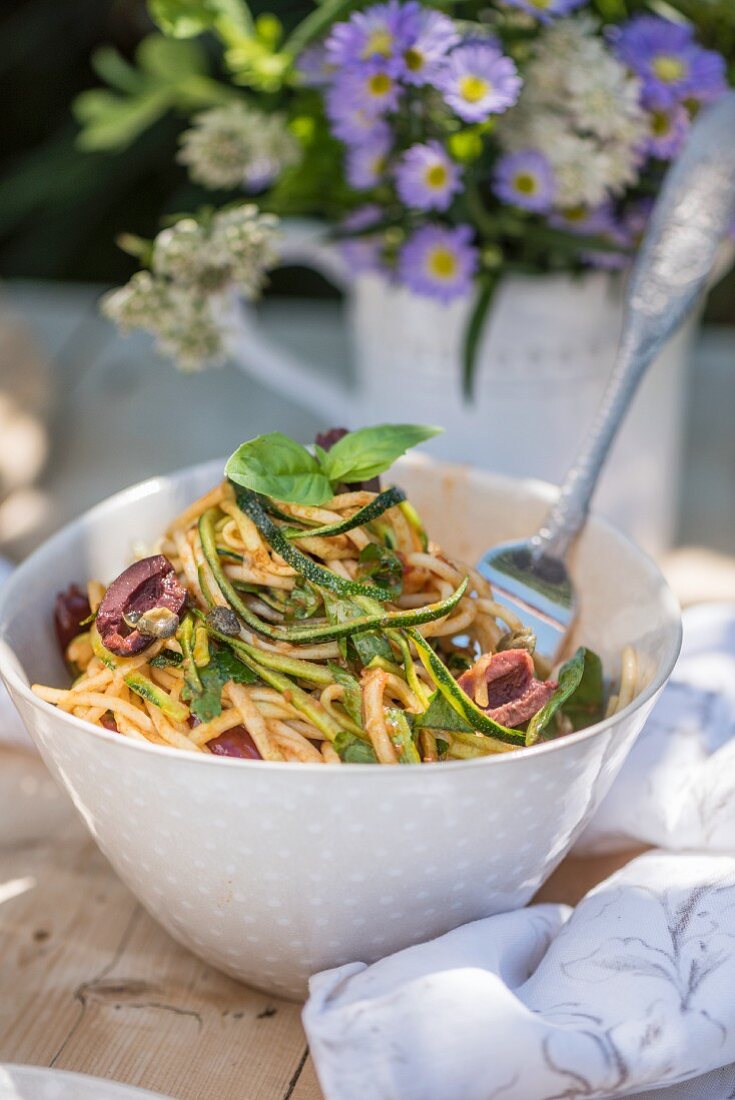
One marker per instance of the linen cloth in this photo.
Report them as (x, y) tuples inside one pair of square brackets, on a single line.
[(632, 991)]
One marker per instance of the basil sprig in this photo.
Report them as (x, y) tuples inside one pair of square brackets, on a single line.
[(279, 467)]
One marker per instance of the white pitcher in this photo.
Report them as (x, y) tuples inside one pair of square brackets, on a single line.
[(544, 357)]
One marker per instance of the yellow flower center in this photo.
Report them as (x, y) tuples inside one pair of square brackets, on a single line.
[(668, 68), (540, 5), (473, 88), (436, 175), (660, 124), (442, 263), (414, 59), (380, 42), (379, 84), (526, 184)]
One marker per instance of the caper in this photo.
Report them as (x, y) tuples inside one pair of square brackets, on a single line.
[(518, 639), (157, 622), (224, 621)]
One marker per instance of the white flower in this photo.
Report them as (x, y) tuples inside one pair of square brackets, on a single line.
[(581, 108), (238, 146), (193, 266)]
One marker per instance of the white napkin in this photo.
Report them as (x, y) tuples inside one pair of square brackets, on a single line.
[(12, 730), (633, 990), (677, 787)]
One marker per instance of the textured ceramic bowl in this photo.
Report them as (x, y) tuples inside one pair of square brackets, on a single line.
[(273, 871)]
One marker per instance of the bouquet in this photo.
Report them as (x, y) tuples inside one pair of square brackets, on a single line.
[(443, 145)]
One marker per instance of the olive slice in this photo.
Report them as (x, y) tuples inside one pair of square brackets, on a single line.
[(144, 587), (70, 610)]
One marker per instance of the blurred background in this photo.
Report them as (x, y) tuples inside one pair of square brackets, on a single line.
[(83, 412)]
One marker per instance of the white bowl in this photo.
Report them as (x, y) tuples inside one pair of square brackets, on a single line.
[(273, 871)]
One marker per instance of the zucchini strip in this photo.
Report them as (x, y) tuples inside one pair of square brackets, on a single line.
[(457, 699), (146, 689), (139, 683), (324, 632), (249, 503), (389, 498)]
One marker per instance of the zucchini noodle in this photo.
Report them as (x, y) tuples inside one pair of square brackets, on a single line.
[(350, 630)]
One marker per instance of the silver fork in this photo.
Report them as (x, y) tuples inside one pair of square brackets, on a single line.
[(693, 214)]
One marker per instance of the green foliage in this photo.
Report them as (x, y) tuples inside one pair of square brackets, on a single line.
[(579, 695), (279, 467), (169, 74), (188, 18), (205, 702)]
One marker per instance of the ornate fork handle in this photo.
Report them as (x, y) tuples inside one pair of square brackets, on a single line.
[(694, 212)]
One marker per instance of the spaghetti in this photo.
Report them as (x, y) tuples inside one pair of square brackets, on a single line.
[(316, 634)]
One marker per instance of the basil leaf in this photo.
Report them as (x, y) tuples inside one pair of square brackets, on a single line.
[(368, 452), (586, 704), (279, 467), (369, 645), (441, 715), (579, 695)]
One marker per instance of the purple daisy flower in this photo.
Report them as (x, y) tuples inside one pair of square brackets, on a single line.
[(314, 66), (366, 163), (671, 65), (426, 178), (546, 10), (352, 123), (668, 131), (363, 253), (434, 36), (369, 88), (380, 33), (439, 262), (525, 179), (478, 81)]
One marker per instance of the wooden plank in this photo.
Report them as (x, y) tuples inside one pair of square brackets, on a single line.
[(89, 982)]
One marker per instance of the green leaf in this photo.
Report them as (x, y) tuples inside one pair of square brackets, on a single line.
[(352, 695), (112, 67), (187, 18), (579, 695), (223, 666), (316, 22), (383, 566), (474, 331), (279, 467), (370, 645), (304, 601), (441, 715), (586, 704), (110, 121), (353, 750), (170, 59), (363, 454)]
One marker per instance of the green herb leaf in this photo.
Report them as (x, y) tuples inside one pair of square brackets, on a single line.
[(303, 602), (279, 467), (223, 666), (352, 695), (353, 750), (579, 695), (441, 715), (186, 18), (586, 704), (383, 567), (363, 454)]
